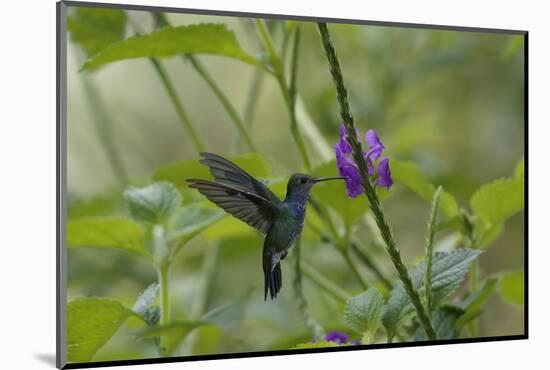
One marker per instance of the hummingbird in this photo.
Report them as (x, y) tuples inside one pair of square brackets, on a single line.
[(249, 200)]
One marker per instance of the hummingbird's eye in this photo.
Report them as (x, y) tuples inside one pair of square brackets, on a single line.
[(303, 180)]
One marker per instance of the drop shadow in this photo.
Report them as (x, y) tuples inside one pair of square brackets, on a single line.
[(47, 358)]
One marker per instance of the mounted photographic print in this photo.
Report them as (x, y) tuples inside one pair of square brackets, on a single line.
[(236, 184)]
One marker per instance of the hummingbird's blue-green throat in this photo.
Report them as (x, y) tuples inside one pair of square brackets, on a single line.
[(247, 199)]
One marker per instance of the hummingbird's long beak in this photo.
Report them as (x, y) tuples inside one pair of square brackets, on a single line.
[(319, 179)]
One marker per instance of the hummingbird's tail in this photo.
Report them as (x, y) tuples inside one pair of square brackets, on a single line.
[(273, 282), (273, 279)]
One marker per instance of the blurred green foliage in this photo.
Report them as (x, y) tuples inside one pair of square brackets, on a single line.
[(448, 105), (172, 41)]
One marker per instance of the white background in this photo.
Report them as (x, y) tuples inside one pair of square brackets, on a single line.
[(27, 196)]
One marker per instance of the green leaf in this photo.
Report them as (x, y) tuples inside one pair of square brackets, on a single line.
[(208, 340), (409, 175), (511, 287), (146, 299), (91, 322), (205, 38), (444, 321), (473, 304), (363, 313), (174, 332), (101, 205), (190, 220), (319, 344), (497, 201), (397, 311), (487, 236), (229, 315), (154, 203), (95, 28), (235, 248), (107, 232), (228, 228), (519, 171), (448, 271)]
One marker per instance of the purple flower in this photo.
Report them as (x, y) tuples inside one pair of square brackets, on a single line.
[(340, 338), (336, 337), (346, 166), (368, 161), (384, 174), (348, 169), (343, 144), (375, 150), (375, 145)]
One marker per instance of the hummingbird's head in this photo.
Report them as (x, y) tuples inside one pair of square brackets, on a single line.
[(300, 183)]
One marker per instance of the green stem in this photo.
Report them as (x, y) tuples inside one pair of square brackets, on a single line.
[(374, 202), (362, 255), (161, 256), (253, 96), (470, 241), (367, 338), (287, 31), (324, 237), (307, 126), (161, 21), (316, 140), (208, 273), (257, 79), (182, 115), (473, 326), (356, 272), (292, 100), (231, 111), (296, 133), (367, 260), (289, 92), (314, 326), (323, 283), (274, 59), (432, 226), (324, 215), (164, 306), (204, 292), (103, 127)]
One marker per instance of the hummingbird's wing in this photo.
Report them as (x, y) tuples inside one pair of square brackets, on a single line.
[(228, 173), (249, 207)]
